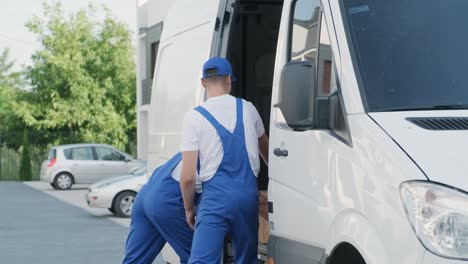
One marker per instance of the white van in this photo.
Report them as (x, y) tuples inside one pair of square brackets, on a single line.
[(365, 104)]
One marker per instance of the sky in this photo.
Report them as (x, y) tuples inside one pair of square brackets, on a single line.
[(15, 13)]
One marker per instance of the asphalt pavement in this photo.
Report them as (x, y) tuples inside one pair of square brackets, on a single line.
[(42, 227)]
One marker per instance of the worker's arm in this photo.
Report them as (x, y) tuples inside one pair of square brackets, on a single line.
[(263, 147), (188, 183)]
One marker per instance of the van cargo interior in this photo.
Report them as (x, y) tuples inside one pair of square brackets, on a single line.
[(251, 50)]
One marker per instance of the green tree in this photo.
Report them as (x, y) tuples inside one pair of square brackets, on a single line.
[(9, 77), (83, 79), (11, 83), (25, 169)]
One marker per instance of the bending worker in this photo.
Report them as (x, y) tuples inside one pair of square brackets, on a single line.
[(158, 216), (227, 135)]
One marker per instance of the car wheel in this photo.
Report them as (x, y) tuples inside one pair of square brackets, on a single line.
[(111, 210), (123, 204), (63, 181)]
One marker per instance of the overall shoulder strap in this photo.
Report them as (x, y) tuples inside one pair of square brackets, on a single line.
[(174, 161), (167, 167), (220, 128), (239, 117)]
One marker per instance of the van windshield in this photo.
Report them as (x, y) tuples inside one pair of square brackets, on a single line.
[(409, 55)]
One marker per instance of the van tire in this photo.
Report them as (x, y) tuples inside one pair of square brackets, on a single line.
[(63, 181)]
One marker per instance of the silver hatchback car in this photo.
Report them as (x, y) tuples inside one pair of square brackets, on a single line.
[(85, 164)]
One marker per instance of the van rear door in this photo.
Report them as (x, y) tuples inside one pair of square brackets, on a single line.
[(191, 34)]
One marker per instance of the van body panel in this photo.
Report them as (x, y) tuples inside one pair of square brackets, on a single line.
[(337, 193), (430, 258), (181, 16), (440, 153), (353, 227), (185, 45)]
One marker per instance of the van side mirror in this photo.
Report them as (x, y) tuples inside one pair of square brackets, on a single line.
[(297, 94)]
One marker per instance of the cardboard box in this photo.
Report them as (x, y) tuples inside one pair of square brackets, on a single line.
[(263, 225)]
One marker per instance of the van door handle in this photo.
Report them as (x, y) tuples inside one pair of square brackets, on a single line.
[(280, 152)]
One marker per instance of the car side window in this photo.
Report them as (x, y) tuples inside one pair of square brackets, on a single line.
[(80, 153), (108, 154)]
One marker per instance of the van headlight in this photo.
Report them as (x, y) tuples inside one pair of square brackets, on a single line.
[(439, 217)]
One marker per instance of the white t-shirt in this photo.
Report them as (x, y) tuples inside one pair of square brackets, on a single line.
[(176, 176), (199, 135)]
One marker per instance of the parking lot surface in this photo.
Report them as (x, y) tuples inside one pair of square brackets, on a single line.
[(76, 197), (44, 226)]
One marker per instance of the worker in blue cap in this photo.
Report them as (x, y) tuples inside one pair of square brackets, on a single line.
[(158, 216), (227, 135)]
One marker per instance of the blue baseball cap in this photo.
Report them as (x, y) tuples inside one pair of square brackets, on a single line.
[(217, 67)]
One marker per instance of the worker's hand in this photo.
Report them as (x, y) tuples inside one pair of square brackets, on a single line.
[(190, 216)]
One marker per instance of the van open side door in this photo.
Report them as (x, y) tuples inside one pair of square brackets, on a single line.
[(192, 33)]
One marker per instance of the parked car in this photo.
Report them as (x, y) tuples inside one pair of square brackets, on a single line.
[(85, 164), (118, 193)]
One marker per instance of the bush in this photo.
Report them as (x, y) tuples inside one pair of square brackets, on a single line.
[(25, 170)]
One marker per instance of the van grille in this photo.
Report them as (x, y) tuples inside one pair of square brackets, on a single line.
[(440, 123)]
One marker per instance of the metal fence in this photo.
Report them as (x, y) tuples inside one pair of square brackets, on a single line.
[(39, 144)]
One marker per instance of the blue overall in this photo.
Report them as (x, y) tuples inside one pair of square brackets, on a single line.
[(158, 216), (229, 203)]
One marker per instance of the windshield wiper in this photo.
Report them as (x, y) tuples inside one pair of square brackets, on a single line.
[(426, 108)]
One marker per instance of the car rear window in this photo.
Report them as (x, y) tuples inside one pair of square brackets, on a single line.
[(52, 154)]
